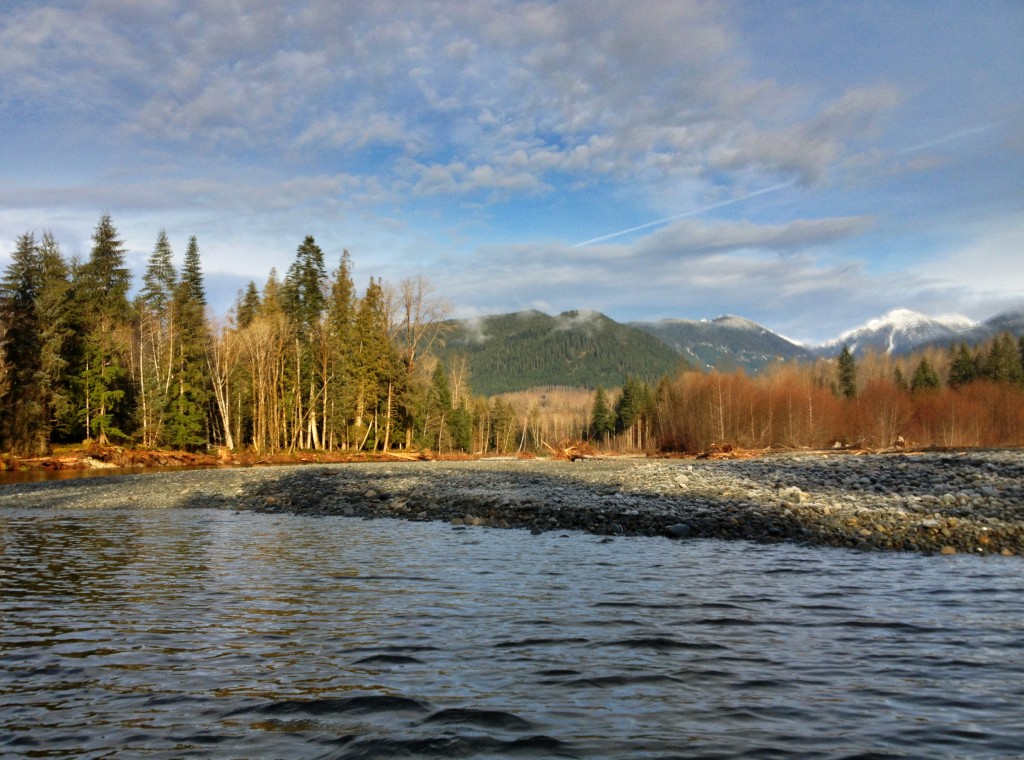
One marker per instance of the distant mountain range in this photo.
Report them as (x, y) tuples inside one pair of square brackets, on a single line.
[(523, 350)]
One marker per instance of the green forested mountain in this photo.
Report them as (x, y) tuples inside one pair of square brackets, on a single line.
[(511, 352)]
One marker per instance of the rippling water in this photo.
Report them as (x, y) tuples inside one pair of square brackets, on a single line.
[(168, 633)]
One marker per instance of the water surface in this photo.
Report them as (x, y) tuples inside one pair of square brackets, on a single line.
[(168, 633)]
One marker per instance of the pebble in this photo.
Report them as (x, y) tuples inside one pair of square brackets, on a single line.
[(967, 502)]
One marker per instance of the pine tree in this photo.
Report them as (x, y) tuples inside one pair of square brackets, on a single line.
[(1003, 364), (156, 339), (186, 425), (341, 311), (160, 279), (438, 410), (247, 306), (847, 370), (304, 287), (925, 378), (963, 368), (53, 307), (460, 425), (24, 424), (374, 364), (899, 380), (602, 419), (101, 292), (304, 302)]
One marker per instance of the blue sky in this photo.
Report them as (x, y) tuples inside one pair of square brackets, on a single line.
[(809, 165)]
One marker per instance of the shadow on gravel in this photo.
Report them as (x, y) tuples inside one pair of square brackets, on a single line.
[(643, 497)]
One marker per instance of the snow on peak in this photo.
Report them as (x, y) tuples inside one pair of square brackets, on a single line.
[(901, 329), (740, 323)]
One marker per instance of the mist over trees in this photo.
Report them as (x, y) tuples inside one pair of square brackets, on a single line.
[(311, 362)]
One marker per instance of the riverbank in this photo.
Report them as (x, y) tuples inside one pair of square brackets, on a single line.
[(924, 502)]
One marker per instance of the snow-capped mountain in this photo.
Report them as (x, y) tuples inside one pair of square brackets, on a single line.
[(725, 342), (899, 331), (1008, 321)]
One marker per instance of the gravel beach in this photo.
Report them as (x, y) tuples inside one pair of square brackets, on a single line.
[(964, 502)]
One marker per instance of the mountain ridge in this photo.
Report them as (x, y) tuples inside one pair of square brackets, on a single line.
[(584, 348)]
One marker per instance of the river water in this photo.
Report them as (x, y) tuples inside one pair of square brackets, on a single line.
[(171, 633)]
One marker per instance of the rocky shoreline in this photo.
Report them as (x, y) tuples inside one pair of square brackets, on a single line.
[(950, 502)]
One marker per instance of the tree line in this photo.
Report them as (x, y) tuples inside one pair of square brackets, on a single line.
[(960, 396), (305, 362)]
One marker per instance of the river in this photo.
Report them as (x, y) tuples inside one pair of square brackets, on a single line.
[(204, 633)]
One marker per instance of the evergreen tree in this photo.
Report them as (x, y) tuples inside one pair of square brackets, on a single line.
[(186, 425), (602, 419), (24, 424), (341, 311), (247, 306), (847, 370), (374, 363), (304, 287), (503, 426), (460, 425), (634, 412), (101, 292), (304, 302), (438, 410), (160, 279), (899, 380), (53, 307), (272, 297), (925, 378), (156, 339), (1003, 364), (963, 368)]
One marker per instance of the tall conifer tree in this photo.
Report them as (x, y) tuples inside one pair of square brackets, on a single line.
[(186, 422), (157, 339), (847, 370), (24, 418), (101, 292)]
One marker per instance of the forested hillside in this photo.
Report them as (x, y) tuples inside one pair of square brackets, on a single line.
[(528, 349)]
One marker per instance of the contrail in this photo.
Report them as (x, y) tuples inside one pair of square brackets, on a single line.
[(694, 212), (947, 138)]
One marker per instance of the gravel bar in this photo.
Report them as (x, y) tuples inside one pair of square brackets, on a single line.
[(967, 502)]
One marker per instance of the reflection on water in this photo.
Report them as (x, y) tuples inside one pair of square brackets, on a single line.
[(39, 476), (215, 634)]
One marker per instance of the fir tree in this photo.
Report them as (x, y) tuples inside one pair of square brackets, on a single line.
[(101, 291), (899, 380), (925, 378), (304, 287), (438, 409), (963, 368), (602, 419), (374, 359), (460, 425), (53, 307), (186, 425), (160, 279), (847, 371), (341, 311), (156, 339), (1003, 364), (247, 306), (24, 428)]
